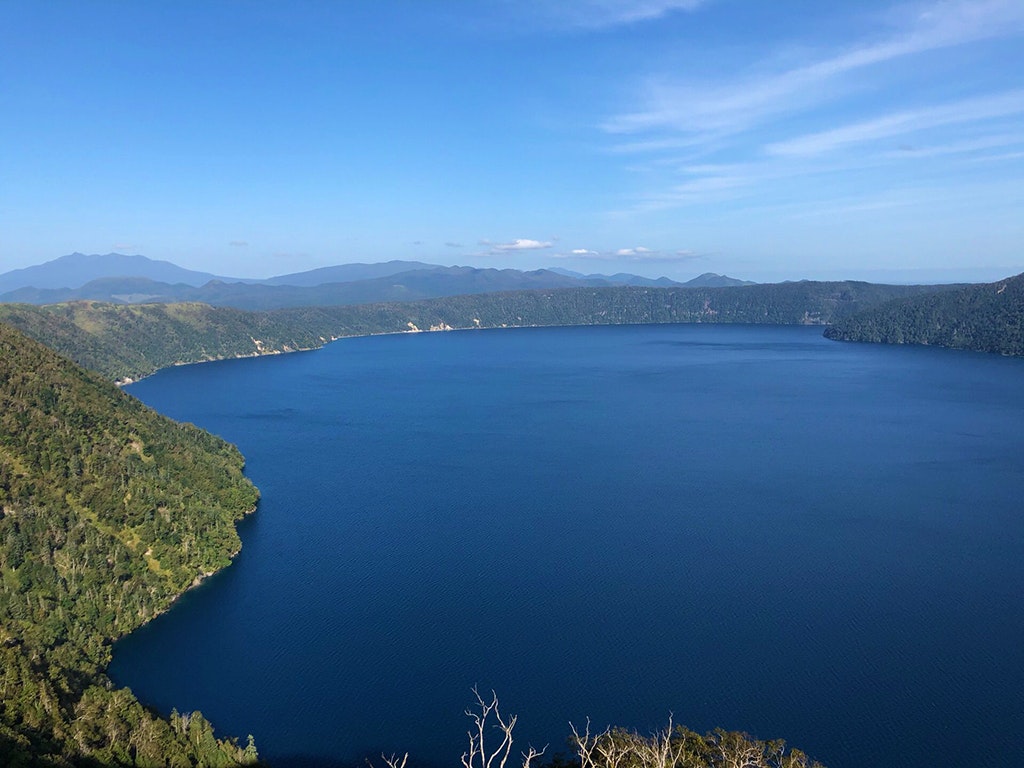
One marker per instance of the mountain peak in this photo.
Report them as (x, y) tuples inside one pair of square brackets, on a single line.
[(76, 269)]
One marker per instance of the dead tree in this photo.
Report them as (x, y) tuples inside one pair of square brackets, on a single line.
[(479, 755)]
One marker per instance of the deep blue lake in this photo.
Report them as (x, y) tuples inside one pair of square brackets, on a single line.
[(748, 527)]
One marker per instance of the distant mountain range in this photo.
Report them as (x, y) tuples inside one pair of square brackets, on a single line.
[(348, 273), (707, 280), (77, 269), (136, 279)]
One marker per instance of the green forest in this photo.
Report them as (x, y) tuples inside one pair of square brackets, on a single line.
[(108, 512), (983, 318)]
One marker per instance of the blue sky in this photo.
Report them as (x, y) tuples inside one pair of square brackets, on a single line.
[(764, 140)]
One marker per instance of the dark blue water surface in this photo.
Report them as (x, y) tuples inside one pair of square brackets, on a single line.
[(748, 527)]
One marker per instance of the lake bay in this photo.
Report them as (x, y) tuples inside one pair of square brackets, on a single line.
[(747, 527)]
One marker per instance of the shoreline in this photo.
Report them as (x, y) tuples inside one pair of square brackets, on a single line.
[(129, 380), (200, 579)]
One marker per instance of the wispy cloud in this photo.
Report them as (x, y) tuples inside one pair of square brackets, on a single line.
[(1001, 157), (601, 14), (699, 109), (884, 202), (855, 98), (899, 123), (452, 244), (238, 243), (959, 147)]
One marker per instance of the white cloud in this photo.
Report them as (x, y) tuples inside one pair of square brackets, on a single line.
[(452, 244), (633, 255), (521, 244)]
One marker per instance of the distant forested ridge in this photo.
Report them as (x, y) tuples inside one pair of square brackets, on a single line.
[(108, 512), (984, 318), (127, 341)]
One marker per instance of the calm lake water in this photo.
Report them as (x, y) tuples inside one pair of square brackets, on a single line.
[(748, 527)]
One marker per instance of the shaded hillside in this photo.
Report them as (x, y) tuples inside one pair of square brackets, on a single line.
[(985, 318), (128, 341), (108, 512)]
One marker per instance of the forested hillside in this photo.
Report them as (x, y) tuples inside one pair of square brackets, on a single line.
[(985, 318), (128, 341), (108, 512)]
